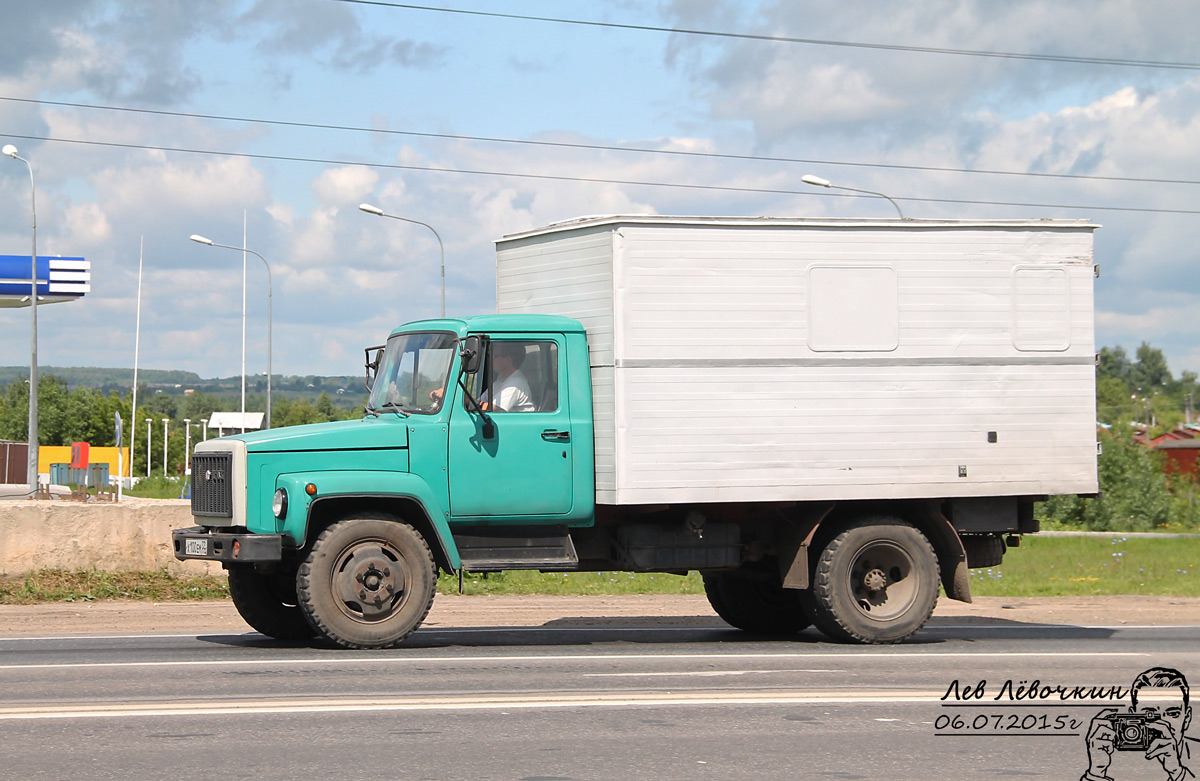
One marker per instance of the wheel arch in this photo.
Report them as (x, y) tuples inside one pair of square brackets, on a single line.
[(925, 517), (328, 510)]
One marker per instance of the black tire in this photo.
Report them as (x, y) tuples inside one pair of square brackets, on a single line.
[(754, 601), (368, 582), (267, 602), (875, 582)]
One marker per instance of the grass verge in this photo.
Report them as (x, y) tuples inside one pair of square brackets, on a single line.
[(1100, 566), (56, 585), (157, 487), (1042, 566)]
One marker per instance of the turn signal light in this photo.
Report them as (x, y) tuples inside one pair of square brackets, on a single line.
[(310, 489)]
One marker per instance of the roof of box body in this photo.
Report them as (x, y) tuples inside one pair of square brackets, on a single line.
[(595, 221)]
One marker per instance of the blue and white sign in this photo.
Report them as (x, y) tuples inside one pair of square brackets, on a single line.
[(59, 279)]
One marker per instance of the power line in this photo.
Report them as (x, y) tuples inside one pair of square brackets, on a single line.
[(597, 147), (1119, 62), (581, 179)]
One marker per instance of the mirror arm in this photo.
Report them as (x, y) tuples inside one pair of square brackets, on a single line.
[(369, 364), (489, 428)]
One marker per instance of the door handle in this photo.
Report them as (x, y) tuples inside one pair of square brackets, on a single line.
[(550, 435)]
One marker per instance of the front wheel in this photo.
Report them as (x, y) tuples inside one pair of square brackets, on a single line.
[(267, 601), (368, 582), (876, 582)]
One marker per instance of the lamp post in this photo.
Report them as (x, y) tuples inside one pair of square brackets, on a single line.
[(817, 181), (270, 323), (148, 447), (137, 341), (369, 209), (32, 474), (187, 447), (165, 422)]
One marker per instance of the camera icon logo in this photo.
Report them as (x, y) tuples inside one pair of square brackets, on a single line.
[(1132, 731)]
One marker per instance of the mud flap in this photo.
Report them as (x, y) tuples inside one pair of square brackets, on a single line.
[(952, 558)]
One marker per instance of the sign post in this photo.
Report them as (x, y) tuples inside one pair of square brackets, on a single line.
[(79, 460), (120, 457)]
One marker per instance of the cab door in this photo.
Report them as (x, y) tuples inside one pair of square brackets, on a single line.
[(523, 471)]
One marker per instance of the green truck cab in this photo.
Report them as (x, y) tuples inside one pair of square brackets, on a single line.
[(433, 476)]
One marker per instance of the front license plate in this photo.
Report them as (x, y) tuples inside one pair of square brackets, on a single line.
[(195, 547)]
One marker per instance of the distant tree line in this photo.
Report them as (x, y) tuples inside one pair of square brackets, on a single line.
[(1143, 390), (89, 415), (1136, 494)]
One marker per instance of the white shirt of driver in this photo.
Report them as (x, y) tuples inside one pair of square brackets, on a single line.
[(512, 394)]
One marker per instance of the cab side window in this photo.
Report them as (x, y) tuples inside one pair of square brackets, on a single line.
[(521, 374)]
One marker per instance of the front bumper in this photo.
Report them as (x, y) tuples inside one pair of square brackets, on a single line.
[(197, 542)]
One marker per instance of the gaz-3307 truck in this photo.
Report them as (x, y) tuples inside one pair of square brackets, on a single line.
[(827, 419)]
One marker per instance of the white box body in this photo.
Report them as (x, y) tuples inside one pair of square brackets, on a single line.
[(763, 359)]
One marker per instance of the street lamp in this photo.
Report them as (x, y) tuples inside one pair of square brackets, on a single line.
[(817, 181), (165, 422), (270, 323), (187, 447), (148, 447), (32, 473), (369, 209)]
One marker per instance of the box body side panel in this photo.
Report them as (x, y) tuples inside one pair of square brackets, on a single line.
[(736, 363)]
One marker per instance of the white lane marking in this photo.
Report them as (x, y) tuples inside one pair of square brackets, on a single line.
[(461, 703), (192, 635), (704, 673), (348, 660)]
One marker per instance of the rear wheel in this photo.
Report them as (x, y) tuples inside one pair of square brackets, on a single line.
[(876, 582), (754, 600), (267, 601), (368, 582)]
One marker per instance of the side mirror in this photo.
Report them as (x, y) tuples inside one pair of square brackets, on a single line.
[(471, 352), (372, 364)]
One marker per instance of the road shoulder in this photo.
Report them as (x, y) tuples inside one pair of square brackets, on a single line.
[(88, 618)]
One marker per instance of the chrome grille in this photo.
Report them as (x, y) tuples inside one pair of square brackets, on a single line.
[(212, 484)]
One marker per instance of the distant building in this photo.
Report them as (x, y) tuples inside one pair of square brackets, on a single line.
[(1181, 446), (14, 462)]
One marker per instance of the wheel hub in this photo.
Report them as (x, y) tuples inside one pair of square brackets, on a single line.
[(875, 580), (882, 580), (370, 582)]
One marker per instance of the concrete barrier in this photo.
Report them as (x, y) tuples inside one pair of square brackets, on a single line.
[(134, 534)]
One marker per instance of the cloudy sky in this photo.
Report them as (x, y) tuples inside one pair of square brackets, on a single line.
[(148, 121)]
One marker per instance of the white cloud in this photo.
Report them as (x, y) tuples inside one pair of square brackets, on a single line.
[(338, 186)]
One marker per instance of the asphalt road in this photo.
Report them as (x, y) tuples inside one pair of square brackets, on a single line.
[(600, 702)]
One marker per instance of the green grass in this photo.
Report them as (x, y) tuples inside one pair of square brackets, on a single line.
[(1042, 566), (55, 585), (157, 487), (1081, 566)]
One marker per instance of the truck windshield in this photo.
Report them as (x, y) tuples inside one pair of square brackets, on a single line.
[(413, 373)]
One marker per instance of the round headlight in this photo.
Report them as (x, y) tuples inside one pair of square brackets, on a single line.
[(279, 503)]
